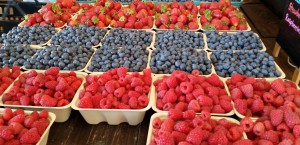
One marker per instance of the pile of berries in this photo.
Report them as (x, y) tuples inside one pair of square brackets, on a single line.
[(106, 58), (7, 77), (15, 55), (249, 63), (49, 89), (20, 128), (184, 91), (115, 89), (185, 128), (256, 97), (166, 60)]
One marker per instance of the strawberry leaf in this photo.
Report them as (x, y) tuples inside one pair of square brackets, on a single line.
[(207, 14), (209, 27)]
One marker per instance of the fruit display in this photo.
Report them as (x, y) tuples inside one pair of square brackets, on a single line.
[(79, 36), (137, 15), (130, 38), (184, 91), (176, 16), (221, 16), (100, 14), (18, 127), (115, 89), (66, 58), (34, 35), (250, 63), (8, 76), (49, 89), (280, 127), (106, 58), (241, 40), (54, 14), (166, 60), (179, 39), (256, 97), (187, 128), (15, 55)]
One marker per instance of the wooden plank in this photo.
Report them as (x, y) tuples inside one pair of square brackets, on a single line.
[(251, 1), (266, 22)]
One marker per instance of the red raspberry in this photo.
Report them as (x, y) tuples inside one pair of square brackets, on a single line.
[(278, 86), (218, 109), (167, 125), (194, 105), (205, 115), (39, 80), (159, 104), (137, 82), (133, 102), (282, 127), (181, 106), (189, 114), (7, 114), (276, 117), (165, 138), (156, 123), (30, 137), (195, 136), (69, 94), (217, 138), (76, 84), (5, 71), (110, 86), (196, 72), (170, 96), (198, 122), (51, 85), (14, 91), (172, 82), (44, 114), (30, 90), (193, 79), (120, 92), (287, 135), (214, 80), (41, 125), (226, 105), (205, 101), (24, 100), (147, 80), (259, 128), (93, 87), (59, 95), (235, 78), (17, 127), (52, 71), (268, 97), (183, 127), (147, 72), (291, 119), (143, 101), (257, 106), (225, 97), (186, 87), (249, 80), (212, 91), (85, 102), (7, 80), (180, 75), (178, 136), (247, 90), (197, 92), (271, 136), (241, 106), (236, 94), (235, 133), (247, 124), (122, 71), (278, 101), (48, 101), (62, 85), (268, 125), (125, 99), (37, 99), (123, 106), (175, 114), (91, 78), (6, 133), (62, 102), (259, 86), (243, 142), (216, 100), (134, 94), (296, 131), (106, 103)]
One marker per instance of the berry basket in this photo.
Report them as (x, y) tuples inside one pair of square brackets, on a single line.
[(154, 97), (44, 138), (111, 116), (62, 113), (164, 116)]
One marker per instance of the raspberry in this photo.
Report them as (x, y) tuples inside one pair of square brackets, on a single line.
[(62, 102), (167, 125), (14, 91), (278, 86), (271, 136), (249, 80), (44, 114), (286, 142), (282, 127), (122, 71), (278, 101), (194, 105), (247, 90), (133, 94), (165, 138), (195, 136), (218, 109), (76, 84), (6, 133), (220, 128), (7, 114), (5, 71), (268, 125), (59, 95), (247, 124), (205, 101), (180, 75), (178, 136), (143, 101), (52, 71), (106, 103), (217, 138), (31, 136), (183, 127), (51, 85), (258, 86), (291, 91), (296, 131), (123, 106), (186, 87), (172, 82), (257, 106), (18, 118), (62, 85), (205, 115), (32, 73), (24, 100), (182, 106), (137, 82), (110, 86), (276, 117), (268, 97), (226, 105), (197, 92), (37, 99), (212, 91), (259, 129), (198, 121), (291, 119), (287, 135), (216, 100), (236, 78), (17, 127), (93, 88), (214, 80), (189, 114), (243, 142), (156, 123), (196, 72), (40, 125), (147, 80), (39, 80), (170, 96), (235, 133), (133, 102), (48, 101), (139, 89), (30, 90)]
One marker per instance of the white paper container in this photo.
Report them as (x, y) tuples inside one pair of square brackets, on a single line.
[(62, 113), (255, 118), (154, 96), (81, 70), (264, 48), (164, 116), (44, 138), (276, 66), (111, 116)]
